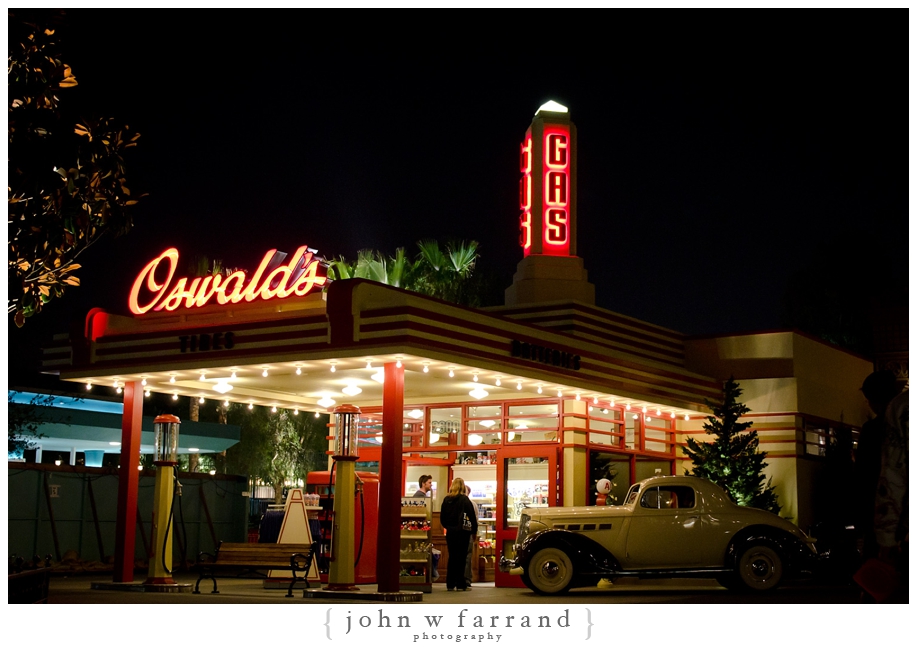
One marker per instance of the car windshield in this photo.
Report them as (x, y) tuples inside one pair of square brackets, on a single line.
[(631, 497)]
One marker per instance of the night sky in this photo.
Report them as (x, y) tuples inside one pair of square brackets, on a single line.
[(719, 154)]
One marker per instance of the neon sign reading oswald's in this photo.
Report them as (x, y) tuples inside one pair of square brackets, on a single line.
[(273, 279)]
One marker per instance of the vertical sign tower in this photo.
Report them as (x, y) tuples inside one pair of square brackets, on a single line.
[(550, 270)]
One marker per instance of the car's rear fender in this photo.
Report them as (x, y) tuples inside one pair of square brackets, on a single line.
[(588, 556), (797, 555)]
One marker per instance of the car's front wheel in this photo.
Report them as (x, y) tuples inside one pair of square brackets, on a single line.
[(550, 571), (760, 568)]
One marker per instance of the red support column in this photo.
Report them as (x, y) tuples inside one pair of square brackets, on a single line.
[(390, 488), (128, 482)]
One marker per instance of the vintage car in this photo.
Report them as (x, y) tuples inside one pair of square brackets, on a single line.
[(668, 526)]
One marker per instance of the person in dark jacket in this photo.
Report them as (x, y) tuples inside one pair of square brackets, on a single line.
[(456, 506)]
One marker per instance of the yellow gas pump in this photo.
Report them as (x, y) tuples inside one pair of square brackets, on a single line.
[(346, 453), (165, 457)]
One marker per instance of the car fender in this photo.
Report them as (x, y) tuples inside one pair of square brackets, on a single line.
[(798, 555), (588, 555)]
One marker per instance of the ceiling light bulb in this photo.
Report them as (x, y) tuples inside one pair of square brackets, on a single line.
[(498, 381), (326, 402), (648, 419), (233, 376), (673, 415), (577, 396), (334, 368), (172, 380), (317, 414), (352, 389), (147, 393), (398, 363), (426, 368), (118, 390), (295, 411), (273, 409), (175, 396), (143, 381), (611, 403), (635, 416), (369, 366), (451, 373), (251, 406), (264, 373), (478, 393), (539, 388), (89, 386), (559, 393), (518, 386), (201, 399), (225, 403), (687, 417), (658, 411), (595, 400), (202, 378), (627, 406), (644, 409), (475, 378), (299, 370)]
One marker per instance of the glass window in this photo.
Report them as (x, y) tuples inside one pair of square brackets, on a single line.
[(657, 435), (630, 424), (527, 486), (668, 497), (606, 426), (615, 468), (445, 426)]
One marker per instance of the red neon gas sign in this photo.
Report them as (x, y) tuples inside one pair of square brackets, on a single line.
[(525, 195), (545, 162), (273, 279), (556, 170)]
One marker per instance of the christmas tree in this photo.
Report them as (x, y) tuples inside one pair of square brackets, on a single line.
[(731, 459)]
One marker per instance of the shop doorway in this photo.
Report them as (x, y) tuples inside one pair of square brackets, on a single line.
[(526, 477)]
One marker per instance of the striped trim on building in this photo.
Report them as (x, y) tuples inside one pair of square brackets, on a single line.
[(605, 328)]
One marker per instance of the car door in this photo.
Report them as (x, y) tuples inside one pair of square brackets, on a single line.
[(666, 529)]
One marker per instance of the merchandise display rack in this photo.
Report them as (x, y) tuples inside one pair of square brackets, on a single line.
[(416, 545)]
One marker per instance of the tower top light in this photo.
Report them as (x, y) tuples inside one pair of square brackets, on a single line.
[(552, 106)]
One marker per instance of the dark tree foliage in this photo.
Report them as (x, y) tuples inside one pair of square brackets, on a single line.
[(275, 447), (24, 421), (732, 459), (66, 179)]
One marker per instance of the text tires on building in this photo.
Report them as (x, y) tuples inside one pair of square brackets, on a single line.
[(549, 572), (760, 567)]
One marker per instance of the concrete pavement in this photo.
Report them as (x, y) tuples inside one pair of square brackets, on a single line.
[(77, 589)]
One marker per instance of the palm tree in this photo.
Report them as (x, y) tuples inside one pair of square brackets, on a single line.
[(445, 275)]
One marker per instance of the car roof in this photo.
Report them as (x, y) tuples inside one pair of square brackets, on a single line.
[(694, 481)]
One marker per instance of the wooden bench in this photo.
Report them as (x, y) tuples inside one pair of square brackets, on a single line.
[(241, 558)]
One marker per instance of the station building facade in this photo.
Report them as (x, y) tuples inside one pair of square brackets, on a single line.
[(528, 401)]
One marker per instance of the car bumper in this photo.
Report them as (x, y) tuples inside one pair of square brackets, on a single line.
[(509, 566)]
